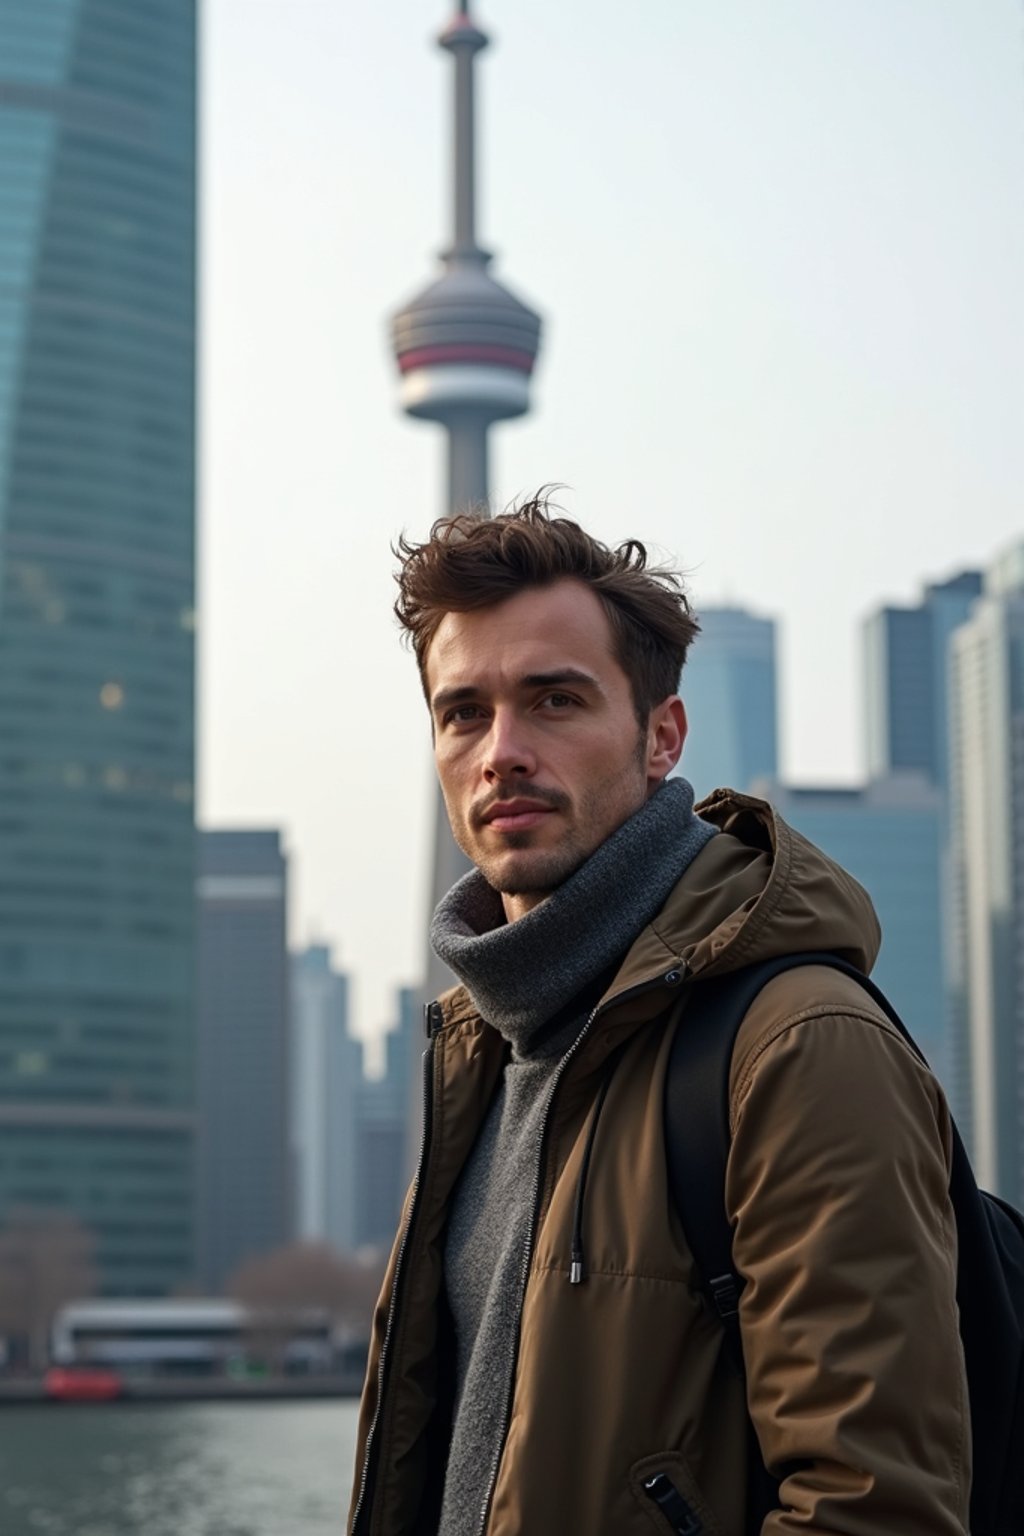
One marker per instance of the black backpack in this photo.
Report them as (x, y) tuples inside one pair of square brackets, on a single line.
[(990, 1274)]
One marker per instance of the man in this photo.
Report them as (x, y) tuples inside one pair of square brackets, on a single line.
[(542, 1361)]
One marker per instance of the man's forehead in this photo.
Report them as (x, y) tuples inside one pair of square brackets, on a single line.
[(525, 661), (538, 631)]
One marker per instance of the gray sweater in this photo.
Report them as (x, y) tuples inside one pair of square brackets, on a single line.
[(536, 981)]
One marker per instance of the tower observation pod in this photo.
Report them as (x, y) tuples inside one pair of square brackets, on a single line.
[(465, 346)]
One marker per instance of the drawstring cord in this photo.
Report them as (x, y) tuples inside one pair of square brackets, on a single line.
[(576, 1250)]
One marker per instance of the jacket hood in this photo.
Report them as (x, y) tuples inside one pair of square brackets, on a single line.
[(757, 890)]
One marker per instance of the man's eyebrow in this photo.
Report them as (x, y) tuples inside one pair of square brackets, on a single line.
[(559, 677), (448, 696), (445, 698)]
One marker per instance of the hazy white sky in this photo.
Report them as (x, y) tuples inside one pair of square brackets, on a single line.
[(778, 249)]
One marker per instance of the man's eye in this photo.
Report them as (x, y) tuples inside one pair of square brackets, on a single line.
[(460, 714), (560, 700)]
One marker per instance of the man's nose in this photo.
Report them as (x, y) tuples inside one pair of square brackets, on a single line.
[(508, 752)]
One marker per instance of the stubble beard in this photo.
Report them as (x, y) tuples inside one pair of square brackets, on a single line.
[(553, 866)]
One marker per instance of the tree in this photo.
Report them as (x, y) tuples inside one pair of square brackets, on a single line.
[(310, 1275), (46, 1259)]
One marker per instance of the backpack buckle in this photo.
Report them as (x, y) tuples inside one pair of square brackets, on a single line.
[(725, 1292)]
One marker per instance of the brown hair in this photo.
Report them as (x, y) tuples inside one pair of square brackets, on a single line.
[(471, 562)]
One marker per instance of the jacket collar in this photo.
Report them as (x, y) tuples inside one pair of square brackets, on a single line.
[(758, 890)]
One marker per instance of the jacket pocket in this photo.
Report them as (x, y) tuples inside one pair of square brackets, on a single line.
[(664, 1488)]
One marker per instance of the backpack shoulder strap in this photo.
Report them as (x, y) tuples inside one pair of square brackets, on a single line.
[(697, 1117)]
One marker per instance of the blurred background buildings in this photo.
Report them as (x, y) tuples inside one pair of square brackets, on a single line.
[(887, 833), (180, 1095), (326, 1073), (986, 874), (906, 679), (731, 701), (244, 1184)]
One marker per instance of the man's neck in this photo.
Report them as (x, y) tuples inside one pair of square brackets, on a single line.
[(522, 902)]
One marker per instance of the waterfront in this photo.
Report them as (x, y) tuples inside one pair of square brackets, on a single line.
[(184, 1469)]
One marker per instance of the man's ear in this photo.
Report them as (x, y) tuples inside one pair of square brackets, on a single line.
[(666, 732)]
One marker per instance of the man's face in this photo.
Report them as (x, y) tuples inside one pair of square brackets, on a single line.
[(536, 740)]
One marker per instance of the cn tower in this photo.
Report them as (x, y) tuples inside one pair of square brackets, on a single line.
[(465, 349)]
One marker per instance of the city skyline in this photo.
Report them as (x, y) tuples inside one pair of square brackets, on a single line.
[(777, 258)]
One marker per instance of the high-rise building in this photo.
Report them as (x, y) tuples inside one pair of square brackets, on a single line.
[(245, 1169), (986, 787), (97, 401), (888, 835), (729, 688), (906, 679), (383, 1155), (907, 673), (465, 349), (326, 1079)]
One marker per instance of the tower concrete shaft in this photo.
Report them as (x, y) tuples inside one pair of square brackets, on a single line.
[(468, 461), (465, 349)]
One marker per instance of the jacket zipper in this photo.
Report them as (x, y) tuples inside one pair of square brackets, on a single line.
[(432, 1013), (673, 978), (661, 1490)]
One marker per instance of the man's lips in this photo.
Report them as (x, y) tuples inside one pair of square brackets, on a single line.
[(516, 815)]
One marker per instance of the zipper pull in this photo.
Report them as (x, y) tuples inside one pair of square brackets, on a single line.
[(433, 1018), (673, 1506)]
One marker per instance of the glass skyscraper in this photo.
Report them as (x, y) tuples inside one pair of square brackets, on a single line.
[(246, 1177), (888, 835), (730, 692), (97, 363), (987, 866), (326, 1080), (908, 685), (906, 677), (383, 1133)]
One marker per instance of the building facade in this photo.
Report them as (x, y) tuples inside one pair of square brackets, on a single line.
[(385, 1128), (907, 689), (245, 1177), (987, 867), (97, 402), (327, 1072), (731, 695), (888, 835), (906, 679)]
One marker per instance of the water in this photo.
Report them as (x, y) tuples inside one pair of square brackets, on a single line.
[(182, 1469)]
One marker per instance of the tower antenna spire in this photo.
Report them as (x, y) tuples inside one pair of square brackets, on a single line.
[(464, 40)]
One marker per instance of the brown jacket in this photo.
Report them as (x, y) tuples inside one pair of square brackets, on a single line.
[(837, 1185)]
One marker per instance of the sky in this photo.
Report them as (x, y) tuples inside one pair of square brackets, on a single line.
[(778, 252)]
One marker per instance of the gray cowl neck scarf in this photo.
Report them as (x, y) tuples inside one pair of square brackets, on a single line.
[(520, 975), (536, 981)]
